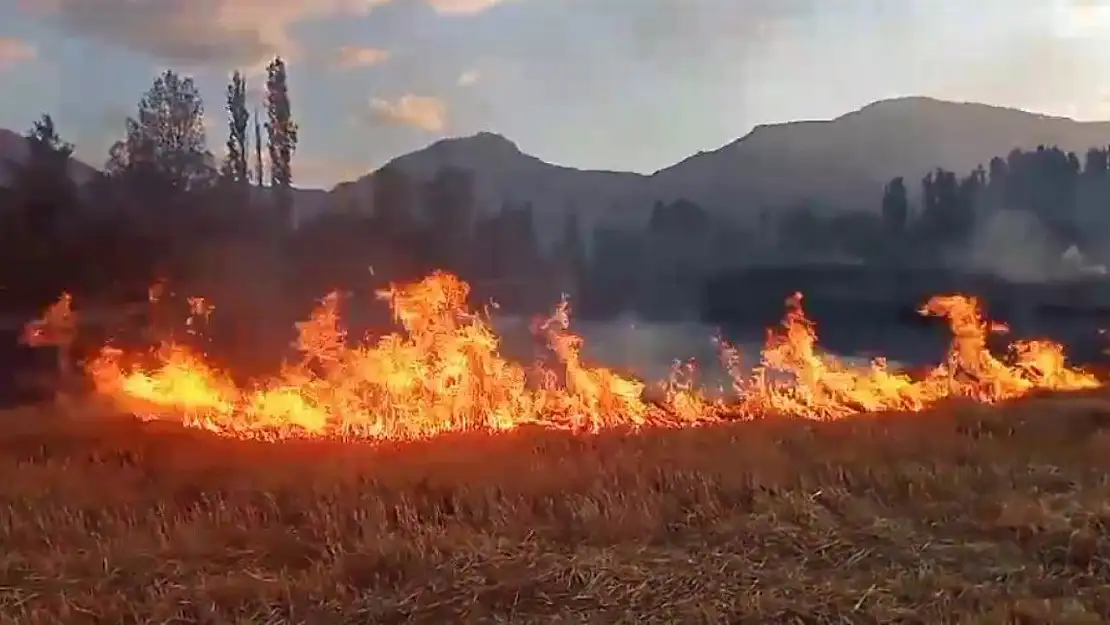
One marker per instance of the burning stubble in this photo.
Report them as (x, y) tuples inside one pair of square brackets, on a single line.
[(445, 371)]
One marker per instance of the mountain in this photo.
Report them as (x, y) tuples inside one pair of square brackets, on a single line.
[(841, 163), (14, 147), (503, 173), (846, 161)]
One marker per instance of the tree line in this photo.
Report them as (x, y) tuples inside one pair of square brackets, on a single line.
[(164, 203), (160, 193), (1068, 200)]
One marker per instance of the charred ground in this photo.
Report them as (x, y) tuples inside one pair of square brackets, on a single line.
[(967, 513)]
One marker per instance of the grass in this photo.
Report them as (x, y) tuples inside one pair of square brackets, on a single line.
[(969, 515)]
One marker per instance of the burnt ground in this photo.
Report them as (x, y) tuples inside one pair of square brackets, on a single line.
[(967, 514)]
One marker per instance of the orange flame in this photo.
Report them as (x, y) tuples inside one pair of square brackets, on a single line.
[(56, 327), (443, 372)]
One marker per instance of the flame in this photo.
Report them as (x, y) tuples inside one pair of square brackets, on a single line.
[(56, 327), (443, 372)]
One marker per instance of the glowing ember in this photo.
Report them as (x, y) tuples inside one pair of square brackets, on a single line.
[(443, 372)]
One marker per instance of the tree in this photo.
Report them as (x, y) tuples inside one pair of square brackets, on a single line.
[(519, 239), (617, 275), (259, 164), (43, 187), (395, 197), (1097, 162), (896, 206), (450, 205), (571, 260), (47, 147), (235, 168), (166, 145), (42, 213), (283, 136), (573, 246), (47, 154)]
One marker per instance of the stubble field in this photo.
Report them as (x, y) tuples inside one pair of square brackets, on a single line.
[(970, 514)]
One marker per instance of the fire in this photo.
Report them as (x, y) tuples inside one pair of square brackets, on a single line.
[(443, 371), (56, 327), (822, 387)]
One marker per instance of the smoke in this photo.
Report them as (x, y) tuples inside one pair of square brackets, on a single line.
[(649, 350), (631, 346), (1014, 246)]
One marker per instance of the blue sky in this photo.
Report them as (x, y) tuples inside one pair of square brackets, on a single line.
[(612, 84)]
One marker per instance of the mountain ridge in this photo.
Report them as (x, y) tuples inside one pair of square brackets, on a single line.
[(14, 147), (837, 163)]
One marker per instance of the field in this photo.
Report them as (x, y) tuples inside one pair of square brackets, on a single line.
[(970, 514)]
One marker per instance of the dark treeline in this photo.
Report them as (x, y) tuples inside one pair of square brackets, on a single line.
[(153, 212), (166, 207)]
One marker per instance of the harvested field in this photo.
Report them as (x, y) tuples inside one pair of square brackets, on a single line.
[(965, 514)]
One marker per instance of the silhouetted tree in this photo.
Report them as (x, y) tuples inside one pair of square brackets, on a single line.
[(235, 168), (43, 188), (617, 271), (799, 232), (165, 148), (945, 216), (450, 204), (39, 218), (519, 237), (896, 206), (395, 200), (1097, 162), (283, 137), (570, 257), (259, 162)]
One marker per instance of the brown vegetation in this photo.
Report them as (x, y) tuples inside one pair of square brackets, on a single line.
[(970, 514)]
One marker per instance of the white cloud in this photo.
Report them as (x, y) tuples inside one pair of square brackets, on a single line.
[(462, 7), (469, 78), (349, 57), (15, 51), (423, 112), (1082, 19)]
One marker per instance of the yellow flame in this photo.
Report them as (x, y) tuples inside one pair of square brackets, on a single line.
[(443, 372)]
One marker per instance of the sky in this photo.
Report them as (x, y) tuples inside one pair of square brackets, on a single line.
[(603, 84)]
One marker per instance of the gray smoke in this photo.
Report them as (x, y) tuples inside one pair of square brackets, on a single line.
[(649, 350), (1013, 245)]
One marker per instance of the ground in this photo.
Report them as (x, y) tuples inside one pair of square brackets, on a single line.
[(969, 514)]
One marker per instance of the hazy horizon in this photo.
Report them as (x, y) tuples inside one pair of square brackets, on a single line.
[(639, 87)]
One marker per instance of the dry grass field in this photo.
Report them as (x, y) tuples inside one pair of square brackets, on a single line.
[(969, 515)]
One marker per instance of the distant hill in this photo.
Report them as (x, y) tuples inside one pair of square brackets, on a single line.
[(506, 174), (846, 161), (14, 147), (840, 163)]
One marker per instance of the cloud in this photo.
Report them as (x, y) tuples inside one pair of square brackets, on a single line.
[(349, 57), (203, 33), (1082, 19), (423, 112), (197, 32), (462, 7), (999, 74), (15, 51), (469, 78)]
